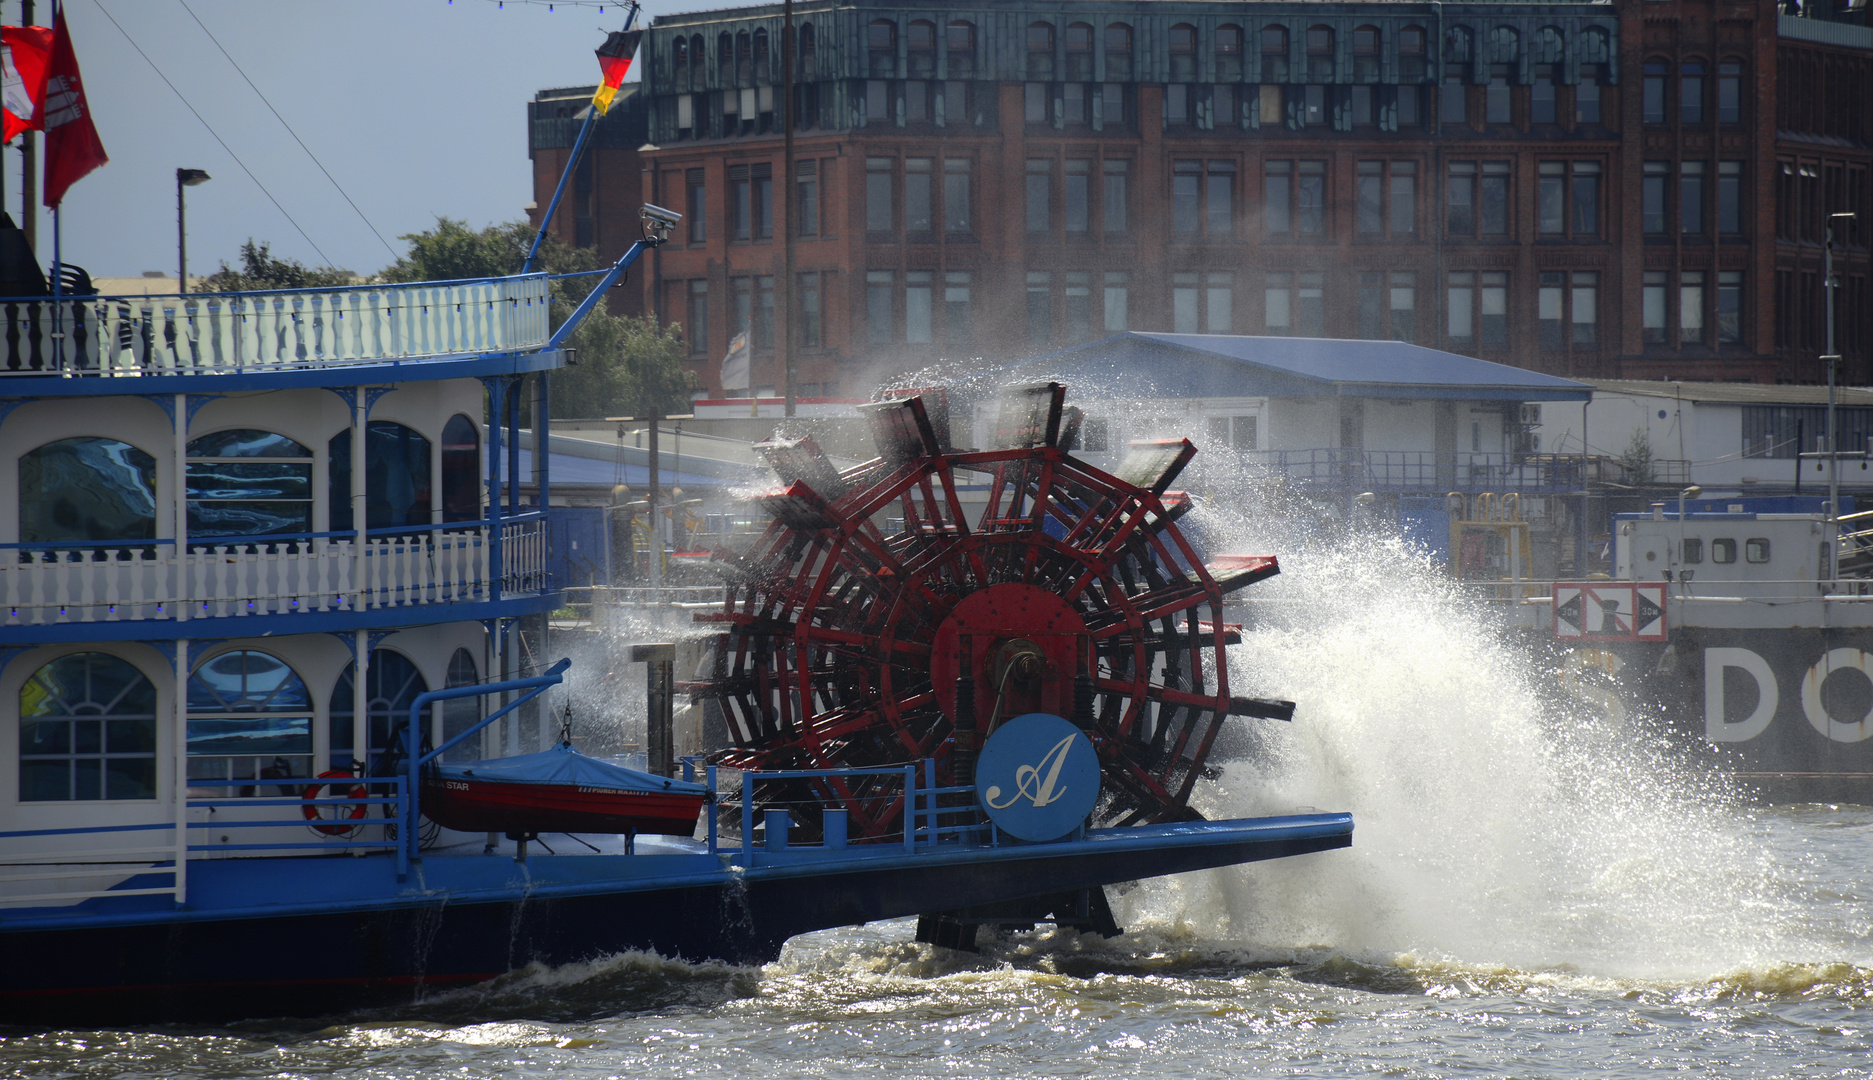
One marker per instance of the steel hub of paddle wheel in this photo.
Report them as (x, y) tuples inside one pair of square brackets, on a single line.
[(901, 610)]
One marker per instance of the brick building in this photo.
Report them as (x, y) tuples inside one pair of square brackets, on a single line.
[(1625, 190)]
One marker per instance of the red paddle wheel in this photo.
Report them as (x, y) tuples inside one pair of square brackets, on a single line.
[(1014, 579)]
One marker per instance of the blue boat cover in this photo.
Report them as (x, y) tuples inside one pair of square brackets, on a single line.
[(564, 765)]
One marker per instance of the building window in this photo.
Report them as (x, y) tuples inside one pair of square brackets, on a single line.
[(87, 731), (960, 36), (881, 43), (1235, 433), (1691, 93), (1363, 115), (1310, 203), (1076, 204), (461, 469), (87, 489), (1587, 97), (1729, 93), (751, 201), (1729, 197), (1652, 190), (955, 101), (1460, 199), (1118, 52), (811, 333), (1319, 54), (1118, 301), (1479, 307), (1691, 307), (1654, 92), (1556, 212), (879, 317), (1453, 101), (1079, 48), (1729, 306), (1078, 305), (1228, 54), (698, 201), (956, 196), (1492, 203), (1586, 201), (956, 305), (1584, 307), (806, 189), (1541, 99), (1278, 305), (1203, 198), (1041, 305), (1402, 209), (1296, 304), (1277, 187), (1116, 201), (1034, 102), (1691, 197), (1652, 307), (880, 214), (918, 195), (697, 325), (1040, 186), (250, 717), (1551, 199), (917, 311), (1274, 42), (396, 478), (1369, 198), (1365, 54), (1388, 306), (1313, 105), (248, 483), (1496, 95), (1202, 303), (1040, 50)]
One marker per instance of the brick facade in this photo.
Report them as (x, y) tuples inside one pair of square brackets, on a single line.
[(1588, 190)]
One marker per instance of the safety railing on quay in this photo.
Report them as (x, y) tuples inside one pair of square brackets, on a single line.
[(279, 330), (114, 581), (1441, 472)]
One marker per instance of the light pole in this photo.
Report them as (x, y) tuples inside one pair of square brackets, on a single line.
[(1691, 492), (1832, 359), (185, 178)]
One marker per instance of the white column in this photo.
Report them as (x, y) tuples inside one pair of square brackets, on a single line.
[(179, 771), (360, 701), (179, 496), (357, 504)]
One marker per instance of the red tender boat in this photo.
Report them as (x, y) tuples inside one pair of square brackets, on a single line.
[(559, 791)]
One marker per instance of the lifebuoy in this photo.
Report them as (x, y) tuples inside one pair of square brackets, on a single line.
[(316, 813)]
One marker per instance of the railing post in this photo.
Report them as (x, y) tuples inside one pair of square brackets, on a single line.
[(713, 816), (909, 816), (747, 817)]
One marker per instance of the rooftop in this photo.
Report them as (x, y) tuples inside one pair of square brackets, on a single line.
[(1735, 393)]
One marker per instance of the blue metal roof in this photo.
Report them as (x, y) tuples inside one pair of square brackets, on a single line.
[(1213, 365)]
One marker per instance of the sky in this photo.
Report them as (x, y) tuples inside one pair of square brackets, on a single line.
[(417, 108)]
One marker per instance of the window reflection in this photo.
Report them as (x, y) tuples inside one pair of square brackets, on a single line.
[(250, 717), (396, 477), (87, 489), (87, 731), (461, 479), (246, 482)]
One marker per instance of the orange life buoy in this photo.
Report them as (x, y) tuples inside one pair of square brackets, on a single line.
[(315, 812)]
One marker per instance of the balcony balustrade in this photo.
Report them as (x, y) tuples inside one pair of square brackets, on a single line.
[(291, 330), (237, 578)]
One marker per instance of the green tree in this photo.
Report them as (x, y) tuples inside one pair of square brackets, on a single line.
[(1637, 457), (262, 270), (625, 365)]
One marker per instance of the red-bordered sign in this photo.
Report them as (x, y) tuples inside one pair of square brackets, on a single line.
[(1609, 611)]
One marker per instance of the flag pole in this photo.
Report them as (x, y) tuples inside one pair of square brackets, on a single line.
[(578, 146)]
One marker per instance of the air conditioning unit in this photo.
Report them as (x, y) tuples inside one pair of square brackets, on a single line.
[(1531, 415)]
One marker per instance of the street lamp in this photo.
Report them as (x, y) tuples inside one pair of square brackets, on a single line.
[(185, 178)]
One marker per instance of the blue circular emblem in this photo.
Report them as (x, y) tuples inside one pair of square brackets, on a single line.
[(1037, 777)]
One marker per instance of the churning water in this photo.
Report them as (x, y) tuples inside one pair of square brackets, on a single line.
[(1532, 892)]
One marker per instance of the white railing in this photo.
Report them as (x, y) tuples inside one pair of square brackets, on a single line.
[(223, 333), (239, 579)]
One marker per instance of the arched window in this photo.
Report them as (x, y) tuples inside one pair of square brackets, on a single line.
[(881, 42), (1183, 53), (391, 684), (808, 60), (87, 489), (396, 477), (1229, 53), (87, 731), (725, 60), (1544, 60), (763, 67), (1366, 54), (247, 482), (1274, 54), (250, 718), (1505, 45), (698, 63), (1546, 47), (1457, 49), (920, 41), (960, 41), (1118, 52), (461, 470), (1319, 54), (460, 714), (1040, 48), (744, 61), (1411, 54), (679, 63), (1079, 44)]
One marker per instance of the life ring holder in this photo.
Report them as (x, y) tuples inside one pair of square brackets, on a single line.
[(313, 811)]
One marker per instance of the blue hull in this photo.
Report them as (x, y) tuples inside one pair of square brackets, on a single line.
[(268, 937)]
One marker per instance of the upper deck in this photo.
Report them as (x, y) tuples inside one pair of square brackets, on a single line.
[(90, 345)]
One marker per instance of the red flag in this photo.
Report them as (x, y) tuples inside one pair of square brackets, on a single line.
[(72, 145), (24, 51)]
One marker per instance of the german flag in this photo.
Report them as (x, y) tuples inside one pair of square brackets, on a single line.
[(614, 59)]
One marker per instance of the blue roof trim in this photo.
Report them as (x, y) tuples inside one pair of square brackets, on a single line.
[(416, 369), (1245, 366), (311, 622)]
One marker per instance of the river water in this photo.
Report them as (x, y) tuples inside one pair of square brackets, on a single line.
[(1535, 890)]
